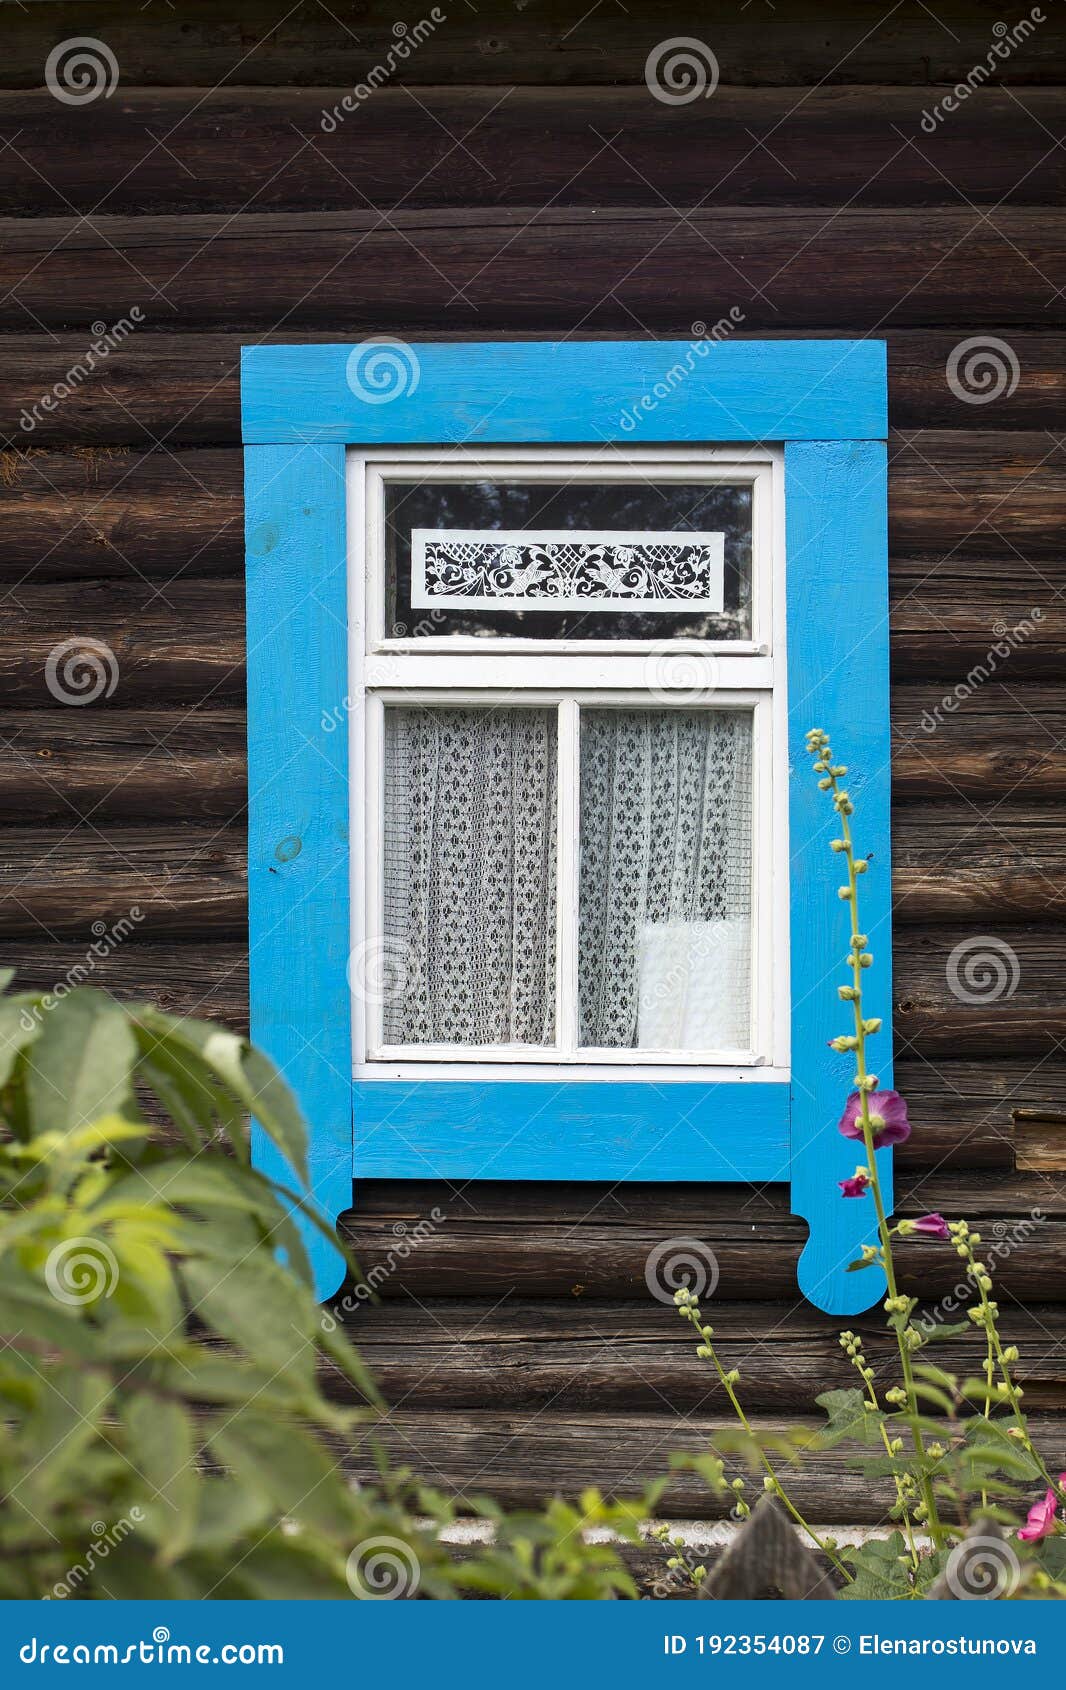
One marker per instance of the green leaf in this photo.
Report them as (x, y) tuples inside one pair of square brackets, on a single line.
[(857, 1267), (82, 1063), (163, 1452), (283, 1462), (258, 1306), (850, 1416), (15, 1034), (6, 977)]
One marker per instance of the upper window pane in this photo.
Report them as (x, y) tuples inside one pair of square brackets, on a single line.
[(635, 560)]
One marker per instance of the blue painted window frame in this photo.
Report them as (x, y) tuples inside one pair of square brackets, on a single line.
[(825, 402)]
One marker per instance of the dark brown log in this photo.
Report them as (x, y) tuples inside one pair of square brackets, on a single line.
[(524, 1459), (267, 42), (976, 1104), (610, 1356), (205, 980), (163, 881), (984, 510), (545, 267), (980, 863), (75, 765), (958, 992), (150, 764), (284, 150), (184, 389), (543, 1241), (114, 511), (119, 644)]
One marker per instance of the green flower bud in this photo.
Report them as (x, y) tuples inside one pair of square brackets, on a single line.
[(866, 960), (838, 845), (860, 865), (847, 994), (873, 1025)]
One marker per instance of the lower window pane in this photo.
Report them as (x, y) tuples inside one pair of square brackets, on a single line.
[(664, 958), (470, 855)]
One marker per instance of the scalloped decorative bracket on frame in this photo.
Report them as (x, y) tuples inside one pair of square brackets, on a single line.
[(826, 402)]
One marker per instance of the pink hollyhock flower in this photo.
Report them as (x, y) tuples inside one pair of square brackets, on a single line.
[(1041, 1521), (855, 1186), (934, 1226), (888, 1113)]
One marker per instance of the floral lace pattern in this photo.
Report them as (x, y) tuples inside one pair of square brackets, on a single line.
[(665, 839), (470, 871), (567, 570)]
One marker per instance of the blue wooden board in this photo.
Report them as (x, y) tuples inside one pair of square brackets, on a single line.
[(298, 810), (523, 391), (827, 401), (609, 1130)]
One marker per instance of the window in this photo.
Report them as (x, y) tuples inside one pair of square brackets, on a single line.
[(537, 872), (565, 806)]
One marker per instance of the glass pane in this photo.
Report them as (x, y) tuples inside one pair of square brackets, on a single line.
[(469, 884), (664, 960), (641, 560)]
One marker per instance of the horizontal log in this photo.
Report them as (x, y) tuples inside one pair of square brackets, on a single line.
[(77, 883), (950, 863), (133, 763), (114, 511), (76, 765), (551, 267), (958, 992), (285, 150), (994, 503), (185, 388), (256, 42), (523, 1459), (611, 1356), (123, 643), (495, 1240), (209, 981)]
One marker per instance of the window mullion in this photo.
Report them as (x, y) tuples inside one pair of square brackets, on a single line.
[(567, 892)]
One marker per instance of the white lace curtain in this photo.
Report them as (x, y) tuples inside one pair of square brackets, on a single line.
[(470, 857), (665, 902), (665, 882)]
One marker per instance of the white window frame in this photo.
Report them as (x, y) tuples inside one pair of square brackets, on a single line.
[(569, 674)]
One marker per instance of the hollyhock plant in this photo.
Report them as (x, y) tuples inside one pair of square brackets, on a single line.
[(857, 1185), (888, 1117), (933, 1226), (1041, 1521)]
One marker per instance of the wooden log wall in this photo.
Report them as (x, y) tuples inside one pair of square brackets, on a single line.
[(517, 176)]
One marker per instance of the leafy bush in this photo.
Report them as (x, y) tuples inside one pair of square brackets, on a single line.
[(164, 1430)]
